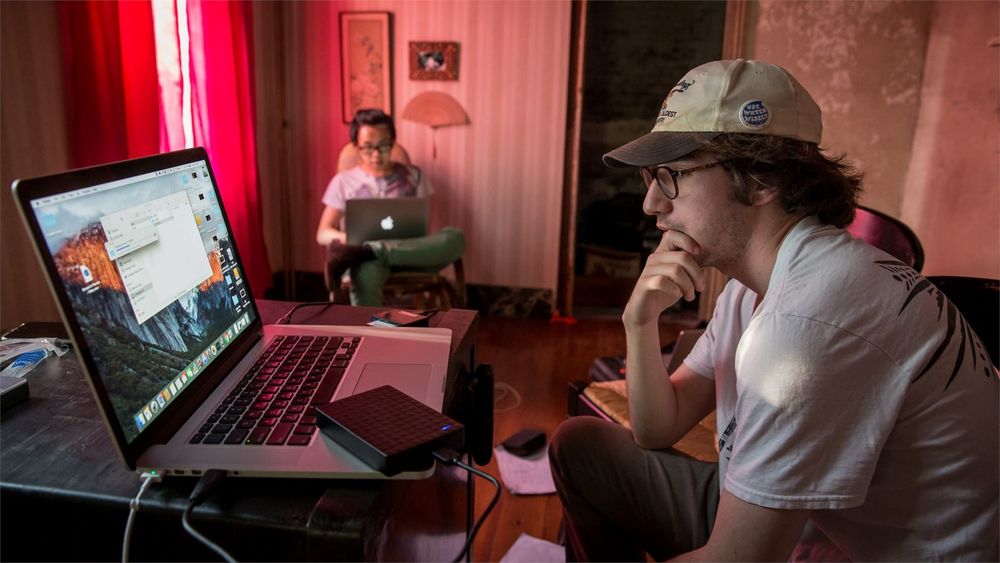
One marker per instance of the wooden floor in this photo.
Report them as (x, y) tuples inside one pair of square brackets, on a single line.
[(536, 359)]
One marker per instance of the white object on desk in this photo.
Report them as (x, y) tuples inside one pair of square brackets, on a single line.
[(530, 548), (525, 475)]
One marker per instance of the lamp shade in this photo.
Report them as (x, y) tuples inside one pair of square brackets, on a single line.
[(435, 109)]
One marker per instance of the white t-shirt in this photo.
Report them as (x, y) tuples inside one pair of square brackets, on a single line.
[(404, 181), (857, 390)]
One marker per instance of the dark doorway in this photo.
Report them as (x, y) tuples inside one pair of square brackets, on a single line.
[(634, 52)]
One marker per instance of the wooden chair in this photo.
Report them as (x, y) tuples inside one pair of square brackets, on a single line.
[(426, 290), (889, 234)]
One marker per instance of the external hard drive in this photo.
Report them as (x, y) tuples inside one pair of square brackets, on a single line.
[(389, 430)]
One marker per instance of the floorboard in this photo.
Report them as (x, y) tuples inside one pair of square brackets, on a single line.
[(533, 362)]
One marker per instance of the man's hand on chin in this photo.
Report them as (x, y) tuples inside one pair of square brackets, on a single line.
[(672, 272)]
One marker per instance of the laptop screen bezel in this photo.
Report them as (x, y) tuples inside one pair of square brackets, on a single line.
[(163, 427)]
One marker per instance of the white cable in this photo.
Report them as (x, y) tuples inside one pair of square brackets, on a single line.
[(148, 478), (501, 391)]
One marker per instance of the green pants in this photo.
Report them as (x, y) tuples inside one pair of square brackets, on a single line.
[(430, 253)]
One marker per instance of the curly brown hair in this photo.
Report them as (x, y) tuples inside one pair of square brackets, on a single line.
[(807, 181)]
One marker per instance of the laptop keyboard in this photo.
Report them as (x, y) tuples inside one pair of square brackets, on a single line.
[(273, 403)]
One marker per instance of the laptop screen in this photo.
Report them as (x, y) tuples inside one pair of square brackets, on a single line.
[(149, 270)]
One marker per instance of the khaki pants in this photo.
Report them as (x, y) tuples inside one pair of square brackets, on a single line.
[(620, 500)]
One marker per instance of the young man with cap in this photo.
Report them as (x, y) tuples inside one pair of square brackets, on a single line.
[(857, 411)]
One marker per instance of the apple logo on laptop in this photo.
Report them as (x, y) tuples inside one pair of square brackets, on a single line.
[(387, 223)]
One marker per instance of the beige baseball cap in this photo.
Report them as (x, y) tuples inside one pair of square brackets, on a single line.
[(737, 96)]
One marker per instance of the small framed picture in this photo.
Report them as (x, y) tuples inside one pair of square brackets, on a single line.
[(433, 60), (366, 64)]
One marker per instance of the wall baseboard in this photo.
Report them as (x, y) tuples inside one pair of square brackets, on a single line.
[(517, 302)]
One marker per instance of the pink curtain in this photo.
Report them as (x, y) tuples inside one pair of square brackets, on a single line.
[(112, 106), (124, 71), (221, 63)]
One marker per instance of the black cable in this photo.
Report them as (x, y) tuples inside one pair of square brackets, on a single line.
[(287, 317), (202, 490), (449, 456)]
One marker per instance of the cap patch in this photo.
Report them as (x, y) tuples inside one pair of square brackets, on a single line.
[(754, 114), (682, 86)]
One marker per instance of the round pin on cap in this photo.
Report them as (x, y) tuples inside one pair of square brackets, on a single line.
[(754, 114)]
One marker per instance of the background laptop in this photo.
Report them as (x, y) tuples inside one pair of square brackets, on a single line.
[(150, 285), (391, 218)]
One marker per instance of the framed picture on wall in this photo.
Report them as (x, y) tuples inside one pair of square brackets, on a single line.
[(365, 62), (433, 60)]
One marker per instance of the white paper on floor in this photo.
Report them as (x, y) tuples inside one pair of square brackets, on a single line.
[(525, 475), (531, 549)]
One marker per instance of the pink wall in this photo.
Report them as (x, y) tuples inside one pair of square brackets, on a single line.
[(952, 189), (862, 62), (909, 90), (499, 178)]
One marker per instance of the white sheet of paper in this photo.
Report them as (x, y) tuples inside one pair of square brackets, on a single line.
[(525, 475), (531, 549)]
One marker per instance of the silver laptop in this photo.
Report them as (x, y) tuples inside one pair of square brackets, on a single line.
[(379, 219), (149, 282), (686, 340)]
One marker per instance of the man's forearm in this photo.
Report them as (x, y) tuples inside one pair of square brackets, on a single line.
[(325, 236), (651, 397)]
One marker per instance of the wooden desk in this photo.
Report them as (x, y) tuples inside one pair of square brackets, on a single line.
[(65, 492)]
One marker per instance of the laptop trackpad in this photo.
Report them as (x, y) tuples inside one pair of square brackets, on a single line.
[(411, 379)]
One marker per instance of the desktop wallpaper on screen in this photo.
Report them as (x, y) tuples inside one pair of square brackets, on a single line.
[(153, 281)]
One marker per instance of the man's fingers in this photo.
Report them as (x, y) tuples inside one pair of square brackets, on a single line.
[(668, 276), (664, 273), (676, 240), (671, 273), (676, 278), (660, 263), (664, 245)]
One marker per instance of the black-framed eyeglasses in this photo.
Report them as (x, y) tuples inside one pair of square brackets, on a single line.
[(384, 148), (666, 177)]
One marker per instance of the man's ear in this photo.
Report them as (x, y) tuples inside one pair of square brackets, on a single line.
[(763, 195)]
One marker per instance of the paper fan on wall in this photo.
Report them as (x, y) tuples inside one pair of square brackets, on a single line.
[(435, 109)]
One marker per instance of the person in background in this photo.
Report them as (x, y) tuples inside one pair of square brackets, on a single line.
[(857, 411), (373, 134)]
